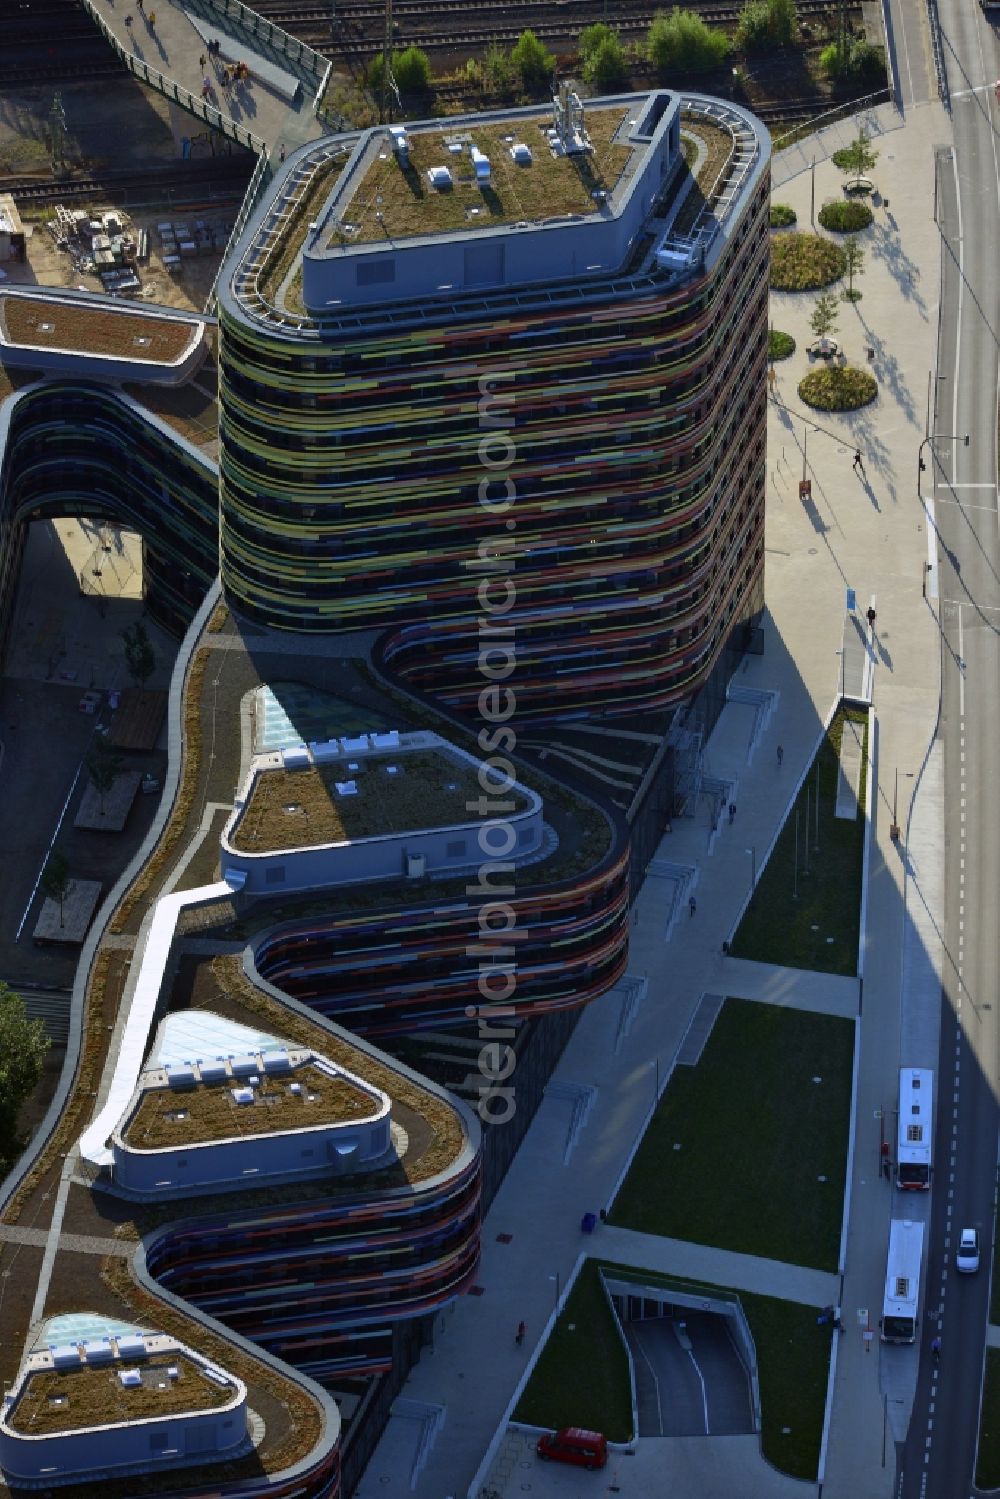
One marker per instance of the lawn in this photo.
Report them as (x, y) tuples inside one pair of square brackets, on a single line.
[(581, 1378), (819, 929), (988, 1459), (733, 1154)]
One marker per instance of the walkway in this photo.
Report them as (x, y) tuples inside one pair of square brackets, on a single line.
[(273, 109), (719, 1267)]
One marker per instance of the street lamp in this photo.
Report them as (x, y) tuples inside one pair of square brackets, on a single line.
[(935, 437), (753, 871), (558, 1285)]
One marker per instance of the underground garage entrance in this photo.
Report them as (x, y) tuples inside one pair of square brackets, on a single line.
[(693, 1361)]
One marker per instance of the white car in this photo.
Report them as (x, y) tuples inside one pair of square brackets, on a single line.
[(967, 1255)]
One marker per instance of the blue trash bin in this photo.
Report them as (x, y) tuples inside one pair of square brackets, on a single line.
[(588, 1223)]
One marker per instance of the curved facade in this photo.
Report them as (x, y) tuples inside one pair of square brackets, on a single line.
[(600, 443), (74, 448)]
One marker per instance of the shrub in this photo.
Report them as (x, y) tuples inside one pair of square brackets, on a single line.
[(780, 345), (766, 23), (605, 67), (752, 31), (802, 262), (683, 43), (782, 216), (856, 63), (838, 388), (531, 59), (845, 217), (412, 70), (498, 70)]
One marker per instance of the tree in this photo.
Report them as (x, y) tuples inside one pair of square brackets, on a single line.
[(605, 66), (682, 42), (412, 70), (140, 658), (55, 880), (23, 1044), (103, 766), (824, 316), (855, 258), (532, 60), (858, 159)]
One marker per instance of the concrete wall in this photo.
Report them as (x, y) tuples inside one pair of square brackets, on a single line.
[(142, 1445), (251, 1162), (577, 246), (383, 858)]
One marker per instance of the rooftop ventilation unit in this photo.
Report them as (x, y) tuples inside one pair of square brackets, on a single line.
[(180, 1075), (64, 1355), (276, 1061), (439, 177), (213, 1072), (216, 1376), (244, 1066), (400, 144), (131, 1345), (357, 745), (98, 1350), (295, 758), (392, 770), (295, 1088), (243, 1095), (323, 753), (416, 866), (346, 788), (484, 170), (130, 1378), (521, 154), (386, 741)]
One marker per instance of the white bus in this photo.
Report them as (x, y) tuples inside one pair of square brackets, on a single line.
[(916, 1129), (902, 1281)]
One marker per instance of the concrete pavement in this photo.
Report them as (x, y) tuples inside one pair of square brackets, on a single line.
[(275, 104)]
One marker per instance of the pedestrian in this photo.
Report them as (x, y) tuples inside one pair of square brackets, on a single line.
[(871, 616), (859, 464), (692, 905), (139, 3), (936, 1350), (206, 88), (281, 153), (732, 812), (128, 23), (202, 61), (781, 755), (152, 18), (519, 1335)]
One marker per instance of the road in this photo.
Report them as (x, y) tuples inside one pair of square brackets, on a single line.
[(937, 1460)]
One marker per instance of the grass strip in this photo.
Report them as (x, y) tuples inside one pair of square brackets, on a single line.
[(819, 929), (748, 1150)]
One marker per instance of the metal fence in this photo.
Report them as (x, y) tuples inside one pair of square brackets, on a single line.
[(172, 90), (937, 51), (255, 189), (831, 116), (314, 63)]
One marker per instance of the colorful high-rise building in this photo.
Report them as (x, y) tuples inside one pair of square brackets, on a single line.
[(517, 372)]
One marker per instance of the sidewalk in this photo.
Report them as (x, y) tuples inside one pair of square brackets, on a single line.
[(868, 537)]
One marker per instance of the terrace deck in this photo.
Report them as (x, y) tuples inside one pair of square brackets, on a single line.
[(58, 1400), (391, 202), (208, 1111), (290, 809), (74, 327)]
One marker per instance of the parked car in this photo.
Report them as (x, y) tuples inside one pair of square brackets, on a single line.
[(585, 1449), (967, 1254)]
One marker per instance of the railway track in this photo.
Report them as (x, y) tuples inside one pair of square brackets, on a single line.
[(203, 175)]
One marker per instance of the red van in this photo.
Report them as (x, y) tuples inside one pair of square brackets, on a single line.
[(586, 1449)]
